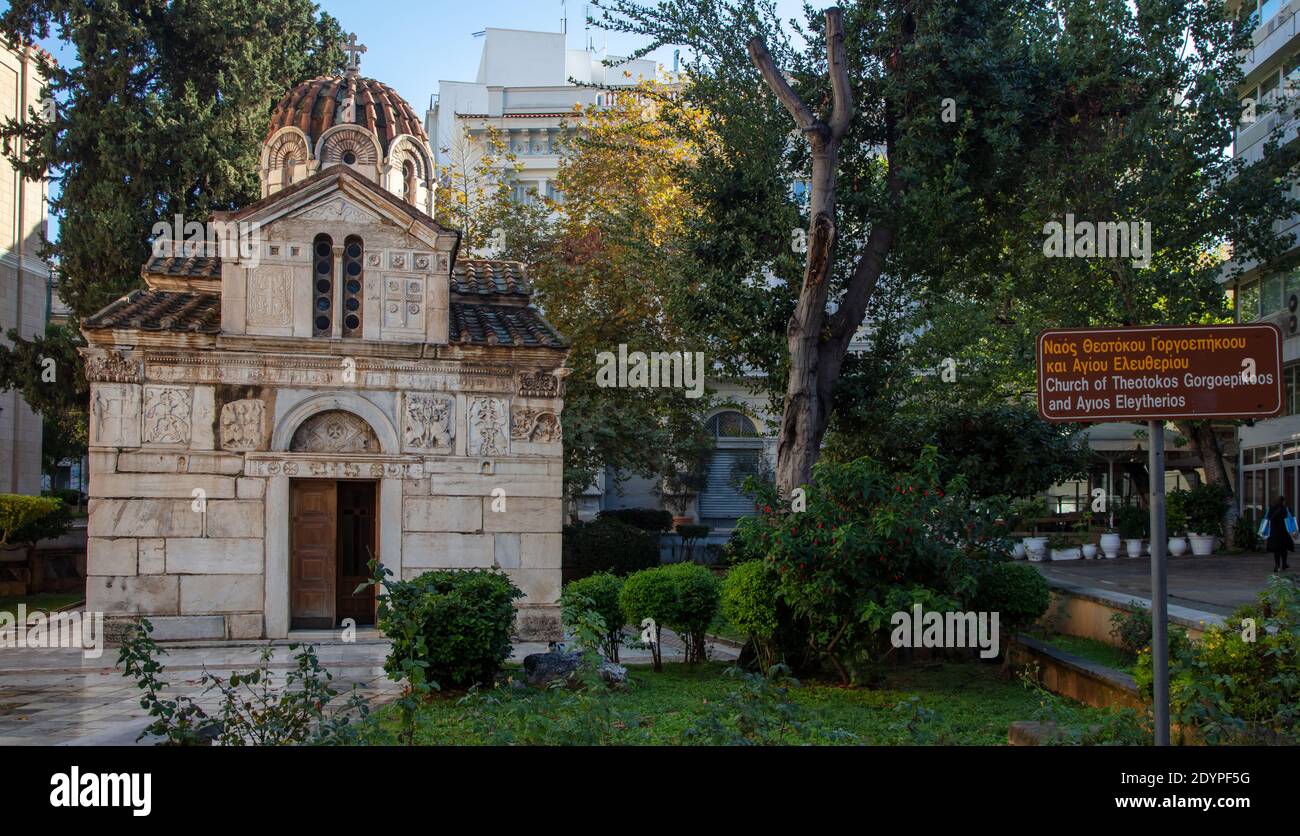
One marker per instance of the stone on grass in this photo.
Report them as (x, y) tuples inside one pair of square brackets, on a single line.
[(541, 669), (614, 675)]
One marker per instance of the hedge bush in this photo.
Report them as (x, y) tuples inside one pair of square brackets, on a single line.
[(699, 593), (749, 601), (681, 596), (598, 593), (26, 519), (1233, 686), (647, 519), (1017, 592), (607, 545), (457, 622), (649, 594)]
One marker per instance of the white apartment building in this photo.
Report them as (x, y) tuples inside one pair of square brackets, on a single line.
[(527, 87), (1269, 457), (24, 276)]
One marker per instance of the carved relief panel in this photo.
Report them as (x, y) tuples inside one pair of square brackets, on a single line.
[(488, 422), (334, 432), (242, 425), (530, 424), (403, 306), (115, 415), (167, 415), (429, 425), (269, 296)]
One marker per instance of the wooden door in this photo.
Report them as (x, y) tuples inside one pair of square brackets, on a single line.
[(312, 543), (356, 546)]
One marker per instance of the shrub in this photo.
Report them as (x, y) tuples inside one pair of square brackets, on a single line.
[(1205, 507), (1132, 629), (1018, 593), (699, 593), (867, 542), (1245, 535), (1132, 522), (598, 593), (1236, 685), (646, 519), (26, 519), (650, 594), (607, 545), (749, 601), (456, 622)]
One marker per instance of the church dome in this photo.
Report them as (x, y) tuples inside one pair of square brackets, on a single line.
[(315, 106), (353, 121)]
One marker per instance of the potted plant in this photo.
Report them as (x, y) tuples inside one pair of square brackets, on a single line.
[(1204, 506), (1132, 523), (1110, 543), (1176, 522), (1028, 513), (1084, 527), (1063, 547), (681, 484)]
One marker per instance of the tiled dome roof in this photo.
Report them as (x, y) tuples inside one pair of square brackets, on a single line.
[(314, 105)]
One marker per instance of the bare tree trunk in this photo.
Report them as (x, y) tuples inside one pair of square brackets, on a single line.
[(817, 347)]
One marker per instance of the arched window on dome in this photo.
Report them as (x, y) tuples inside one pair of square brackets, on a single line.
[(322, 321), (354, 251), (408, 181)]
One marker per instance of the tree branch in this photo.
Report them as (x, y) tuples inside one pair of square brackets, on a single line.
[(837, 62), (762, 60)]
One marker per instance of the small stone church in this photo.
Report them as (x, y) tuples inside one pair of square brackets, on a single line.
[(342, 386)]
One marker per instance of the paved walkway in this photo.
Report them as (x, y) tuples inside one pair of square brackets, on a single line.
[(56, 696), (1217, 583)]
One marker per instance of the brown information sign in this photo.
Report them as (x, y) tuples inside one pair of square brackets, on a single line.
[(1160, 373)]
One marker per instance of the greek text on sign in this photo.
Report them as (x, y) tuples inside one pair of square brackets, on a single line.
[(1160, 372)]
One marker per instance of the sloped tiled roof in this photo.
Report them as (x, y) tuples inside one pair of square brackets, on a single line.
[(194, 266), (485, 277), (314, 105), (514, 325), (161, 310)]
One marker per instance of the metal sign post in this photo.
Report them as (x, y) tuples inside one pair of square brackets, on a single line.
[(1159, 586)]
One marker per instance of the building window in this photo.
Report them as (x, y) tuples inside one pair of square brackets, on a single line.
[(323, 286), (353, 283), (408, 181), (738, 455)]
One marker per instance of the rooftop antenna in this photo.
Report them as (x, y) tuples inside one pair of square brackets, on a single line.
[(480, 33), (586, 26), (564, 17), (677, 58)]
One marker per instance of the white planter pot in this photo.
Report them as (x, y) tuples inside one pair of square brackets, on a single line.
[(1134, 547), (1202, 544), (1036, 548), (1177, 546), (1089, 551), (1018, 551), (1065, 554), (1110, 545)]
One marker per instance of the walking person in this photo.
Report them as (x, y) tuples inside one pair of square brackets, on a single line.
[(1281, 524)]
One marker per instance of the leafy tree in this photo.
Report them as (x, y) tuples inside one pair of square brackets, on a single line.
[(606, 260), (55, 389), (937, 139), (162, 113)]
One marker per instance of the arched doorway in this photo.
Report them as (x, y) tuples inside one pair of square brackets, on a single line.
[(332, 528), (738, 453)]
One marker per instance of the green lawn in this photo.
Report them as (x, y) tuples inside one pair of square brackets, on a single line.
[(945, 703), (1090, 649), (44, 602)]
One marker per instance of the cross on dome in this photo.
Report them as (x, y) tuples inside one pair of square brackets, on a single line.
[(354, 51)]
